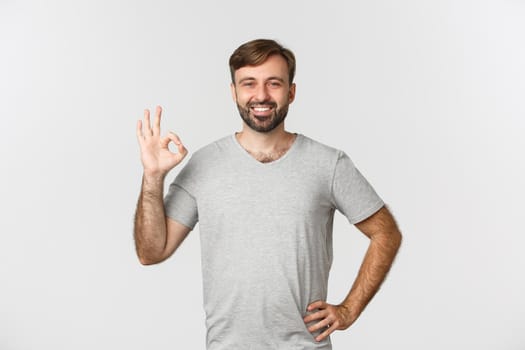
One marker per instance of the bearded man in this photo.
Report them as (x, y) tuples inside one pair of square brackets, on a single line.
[(265, 200)]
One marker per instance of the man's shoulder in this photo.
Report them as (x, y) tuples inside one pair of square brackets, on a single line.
[(211, 149), (319, 148), (206, 160)]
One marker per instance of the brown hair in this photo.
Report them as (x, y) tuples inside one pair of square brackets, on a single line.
[(257, 51)]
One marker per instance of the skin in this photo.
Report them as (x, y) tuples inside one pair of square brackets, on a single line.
[(262, 94), (156, 236), (385, 240), (262, 85)]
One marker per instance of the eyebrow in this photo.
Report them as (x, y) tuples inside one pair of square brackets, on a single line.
[(245, 79), (276, 78), (270, 78)]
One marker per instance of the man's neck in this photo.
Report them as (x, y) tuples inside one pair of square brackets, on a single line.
[(265, 147)]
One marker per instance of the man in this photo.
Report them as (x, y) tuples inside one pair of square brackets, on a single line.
[(265, 200)]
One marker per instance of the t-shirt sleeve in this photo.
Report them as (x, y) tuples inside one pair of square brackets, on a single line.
[(179, 204), (352, 194)]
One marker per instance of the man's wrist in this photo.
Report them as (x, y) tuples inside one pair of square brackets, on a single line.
[(352, 306), (350, 312), (153, 180), (154, 175)]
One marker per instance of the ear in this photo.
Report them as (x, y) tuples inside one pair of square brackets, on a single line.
[(291, 93), (234, 93)]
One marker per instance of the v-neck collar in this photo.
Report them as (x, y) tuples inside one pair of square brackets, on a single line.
[(291, 150)]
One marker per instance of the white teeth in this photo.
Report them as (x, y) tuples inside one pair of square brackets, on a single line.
[(261, 109)]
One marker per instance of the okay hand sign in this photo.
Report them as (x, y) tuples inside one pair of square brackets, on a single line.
[(157, 159)]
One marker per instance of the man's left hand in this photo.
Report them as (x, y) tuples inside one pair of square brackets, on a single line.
[(331, 318)]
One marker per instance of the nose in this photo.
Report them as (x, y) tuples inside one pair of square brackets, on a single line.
[(261, 94)]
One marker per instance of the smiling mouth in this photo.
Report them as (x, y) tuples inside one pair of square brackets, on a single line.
[(262, 111)]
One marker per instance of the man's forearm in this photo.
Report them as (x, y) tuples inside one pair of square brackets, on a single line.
[(374, 268), (385, 240), (150, 220)]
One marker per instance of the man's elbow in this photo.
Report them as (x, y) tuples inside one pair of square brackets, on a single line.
[(396, 238), (389, 239), (149, 260), (146, 262)]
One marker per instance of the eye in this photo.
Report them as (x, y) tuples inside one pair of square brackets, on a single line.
[(274, 84), (248, 84)]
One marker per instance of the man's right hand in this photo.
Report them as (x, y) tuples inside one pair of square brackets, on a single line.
[(157, 159)]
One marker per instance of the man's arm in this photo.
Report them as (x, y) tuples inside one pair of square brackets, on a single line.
[(385, 239), (156, 237)]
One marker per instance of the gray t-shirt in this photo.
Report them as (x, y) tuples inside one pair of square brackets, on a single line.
[(266, 236)]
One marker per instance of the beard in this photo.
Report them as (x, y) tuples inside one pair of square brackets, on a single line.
[(263, 124)]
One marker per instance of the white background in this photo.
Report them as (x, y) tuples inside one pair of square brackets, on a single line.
[(427, 97)]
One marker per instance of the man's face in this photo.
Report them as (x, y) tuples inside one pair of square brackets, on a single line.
[(262, 93)]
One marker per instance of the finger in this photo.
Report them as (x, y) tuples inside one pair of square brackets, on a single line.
[(170, 137), (140, 136), (320, 325), (182, 151), (147, 124), (319, 304), (326, 333), (156, 123), (316, 316), (176, 140)]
